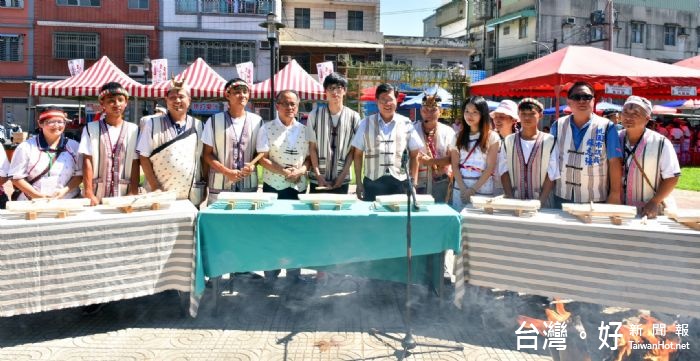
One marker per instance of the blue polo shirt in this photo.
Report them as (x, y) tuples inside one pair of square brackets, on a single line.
[(612, 140)]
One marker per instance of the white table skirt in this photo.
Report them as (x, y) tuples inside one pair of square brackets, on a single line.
[(98, 255), (648, 266)]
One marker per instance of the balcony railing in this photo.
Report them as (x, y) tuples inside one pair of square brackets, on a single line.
[(226, 7)]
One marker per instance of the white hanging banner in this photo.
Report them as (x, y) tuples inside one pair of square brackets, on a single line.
[(159, 70), (684, 91), (618, 89), (76, 66), (245, 71), (323, 70)]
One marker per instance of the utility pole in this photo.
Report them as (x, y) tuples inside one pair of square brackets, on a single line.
[(611, 25)]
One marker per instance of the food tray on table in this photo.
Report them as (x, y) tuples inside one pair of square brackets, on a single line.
[(586, 211), (243, 200), (328, 201), (149, 201), (60, 208), (518, 206), (686, 217), (397, 202)]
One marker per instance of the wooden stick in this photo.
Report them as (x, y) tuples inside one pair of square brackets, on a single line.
[(256, 159)]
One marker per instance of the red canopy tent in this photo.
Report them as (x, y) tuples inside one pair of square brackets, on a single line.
[(203, 81), (368, 95), (294, 77), (549, 75), (693, 62), (86, 84)]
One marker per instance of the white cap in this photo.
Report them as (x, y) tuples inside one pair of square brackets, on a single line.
[(507, 107), (644, 103)]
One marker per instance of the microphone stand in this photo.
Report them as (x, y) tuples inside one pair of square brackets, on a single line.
[(408, 342)]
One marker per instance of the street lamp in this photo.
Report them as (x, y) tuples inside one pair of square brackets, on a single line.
[(549, 50), (272, 26)]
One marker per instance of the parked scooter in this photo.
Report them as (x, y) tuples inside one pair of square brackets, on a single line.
[(7, 130)]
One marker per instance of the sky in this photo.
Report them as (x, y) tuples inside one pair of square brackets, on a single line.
[(405, 17)]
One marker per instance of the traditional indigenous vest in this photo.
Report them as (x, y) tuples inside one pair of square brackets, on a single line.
[(584, 171), (176, 154), (333, 143), (43, 165), (233, 151), (435, 148), (288, 148), (636, 191), (111, 165), (383, 154), (527, 175)]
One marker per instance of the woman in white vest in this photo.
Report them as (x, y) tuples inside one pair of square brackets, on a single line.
[(229, 143), (475, 153), (590, 154), (108, 146), (651, 168), (528, 161), (47, 165)]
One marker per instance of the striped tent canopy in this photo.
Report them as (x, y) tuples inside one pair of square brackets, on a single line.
[(88, 83), (203, 81), (294, 77)]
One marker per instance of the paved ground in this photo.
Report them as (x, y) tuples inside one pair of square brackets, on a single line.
[(334, 321)]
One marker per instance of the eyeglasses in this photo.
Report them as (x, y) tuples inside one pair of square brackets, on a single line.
[(285, 105), (335, 88), (579, 97), (55, 122)]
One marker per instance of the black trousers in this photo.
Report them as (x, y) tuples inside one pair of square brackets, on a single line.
[(384, 185), (287, 193)]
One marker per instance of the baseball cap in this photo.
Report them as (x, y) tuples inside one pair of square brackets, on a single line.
[(644, 103)]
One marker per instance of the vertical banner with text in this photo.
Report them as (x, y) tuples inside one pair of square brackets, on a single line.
[(76, 66), (324, 69), (159, 70), (245, 71)]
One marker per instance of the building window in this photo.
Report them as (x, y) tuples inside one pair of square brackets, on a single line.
[(404, 62), (217, 52), (136, 48), (596, 33), (75, 45), (11, 4), (255, 7), (670, 34), (329, 20), (10, 48), (186, 6), (637, 32), (522, 28), (302, 18), (355, 20), (388, 58), (138, 4), (506, 30), (435, 63), (78, 2)]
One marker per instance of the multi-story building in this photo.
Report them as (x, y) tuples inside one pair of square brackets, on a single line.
[(427, 52), (324, 30), (222, 32), (16, 59), (507, 33)]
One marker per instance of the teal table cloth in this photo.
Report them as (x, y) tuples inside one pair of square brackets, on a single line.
[(289, 234)]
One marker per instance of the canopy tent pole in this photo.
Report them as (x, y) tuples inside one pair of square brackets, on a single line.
[(557, 89)]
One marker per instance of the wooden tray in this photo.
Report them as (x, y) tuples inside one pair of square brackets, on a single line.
[(518, 206), (245, 200), (128, 204), (586, 211), (336, 201), (397, 202), (686, 217), (61, 207)]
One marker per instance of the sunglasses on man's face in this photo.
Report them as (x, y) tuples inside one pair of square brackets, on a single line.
[(579, 97)]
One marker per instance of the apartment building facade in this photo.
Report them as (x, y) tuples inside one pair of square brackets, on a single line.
[(16, 58)]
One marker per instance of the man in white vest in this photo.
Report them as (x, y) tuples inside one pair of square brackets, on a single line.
[(380, 143), (651, 168), (230, 143), (528, 164), (284, 143), (334, 127), (169, 147), (434, 169), (590, 154), (108, 146)]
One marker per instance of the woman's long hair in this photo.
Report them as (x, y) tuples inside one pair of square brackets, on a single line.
[(484, 124)]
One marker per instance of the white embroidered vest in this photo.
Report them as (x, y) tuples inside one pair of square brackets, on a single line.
[(382, 154), (130, 139), (537, 166), (288, 147)]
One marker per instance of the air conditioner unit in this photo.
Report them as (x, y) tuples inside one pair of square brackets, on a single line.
[(136, 69), (568, 21), (264, 45), (344, 58), (286, 58)]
